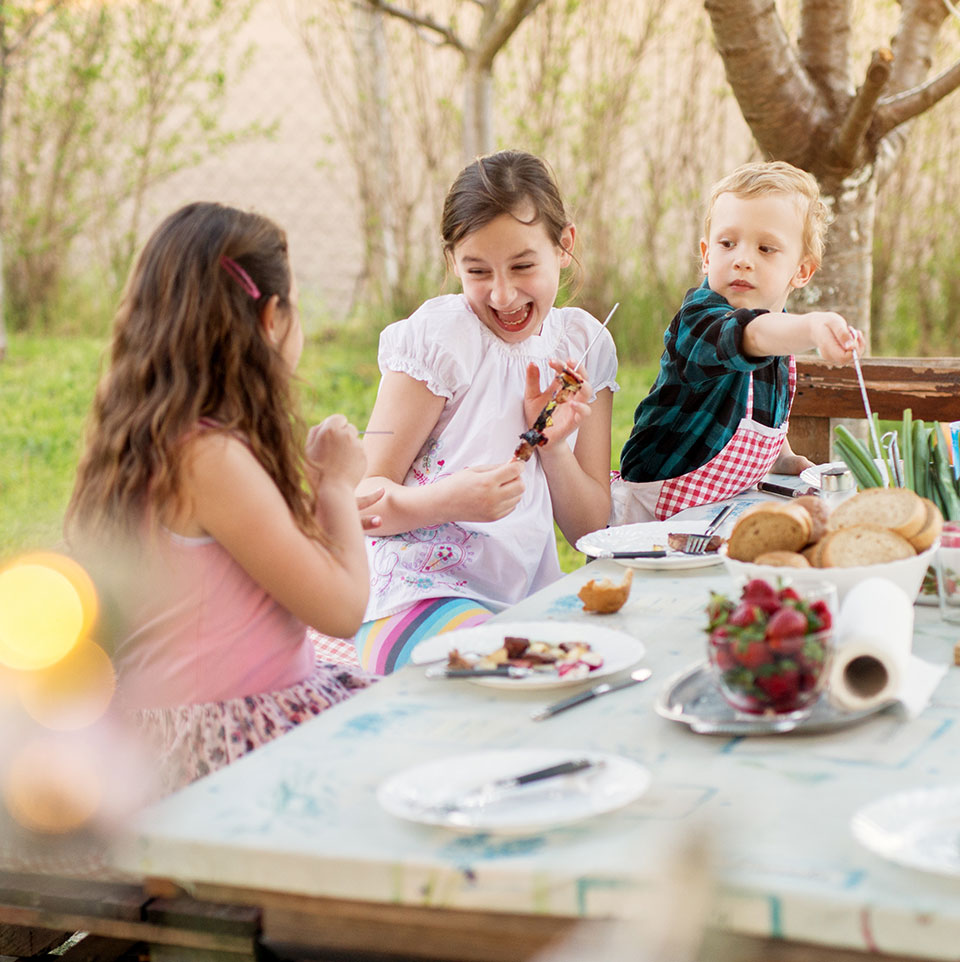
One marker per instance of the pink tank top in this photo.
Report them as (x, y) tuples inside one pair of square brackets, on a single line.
[(203, 630)]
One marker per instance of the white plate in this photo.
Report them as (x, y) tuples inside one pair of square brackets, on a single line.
[(919, 829), (556, 801), (618, 649), (645, 536)]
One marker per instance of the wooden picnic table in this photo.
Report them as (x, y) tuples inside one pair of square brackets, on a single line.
[(294, 830)]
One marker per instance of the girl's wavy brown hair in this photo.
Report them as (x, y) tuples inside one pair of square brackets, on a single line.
[(188, 345)]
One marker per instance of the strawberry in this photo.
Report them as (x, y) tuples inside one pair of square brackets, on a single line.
[(718, 609), (821, 612), (752, 654), (781, 688), (788, 645), (785, 623), (762, 594), (723, 657), (744, 615), (789, 594)]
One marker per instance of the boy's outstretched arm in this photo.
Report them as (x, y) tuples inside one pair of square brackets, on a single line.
[(778, 334)]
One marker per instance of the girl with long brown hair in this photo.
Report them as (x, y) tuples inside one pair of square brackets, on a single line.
[(216, 531)]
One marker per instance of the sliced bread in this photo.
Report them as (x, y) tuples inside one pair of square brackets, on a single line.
[(931, 529), (812, 553), (863, 544), (899, 509), (769, 527)]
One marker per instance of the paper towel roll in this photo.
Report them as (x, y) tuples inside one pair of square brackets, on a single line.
[(873, 638)]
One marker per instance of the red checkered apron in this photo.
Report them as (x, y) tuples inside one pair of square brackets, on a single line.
[(743, 461)]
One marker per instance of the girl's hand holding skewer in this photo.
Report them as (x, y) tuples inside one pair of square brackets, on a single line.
[(565, 417)]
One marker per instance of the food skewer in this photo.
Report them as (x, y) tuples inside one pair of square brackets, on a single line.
[(570, 384)]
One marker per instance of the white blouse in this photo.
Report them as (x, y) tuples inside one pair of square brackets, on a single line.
[(483, 379)]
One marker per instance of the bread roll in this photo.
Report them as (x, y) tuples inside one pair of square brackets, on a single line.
[(782, 559), (899, 509), (863, 544), (819, 515), (769, 527)]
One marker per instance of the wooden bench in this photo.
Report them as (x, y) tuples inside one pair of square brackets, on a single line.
[(121, 922), (929, 386)]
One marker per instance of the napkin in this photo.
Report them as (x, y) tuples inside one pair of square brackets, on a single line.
[(873, 662)]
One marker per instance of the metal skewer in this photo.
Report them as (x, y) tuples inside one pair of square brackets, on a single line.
[(595, 336), (866, 407)]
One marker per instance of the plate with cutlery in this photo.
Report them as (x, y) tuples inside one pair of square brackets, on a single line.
[(528, 654), (658, 545), (513, 791)]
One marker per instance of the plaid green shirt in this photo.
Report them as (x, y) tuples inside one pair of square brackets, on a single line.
[(700, 394)]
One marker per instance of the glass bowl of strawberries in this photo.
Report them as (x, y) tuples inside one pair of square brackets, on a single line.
[(770, 649)]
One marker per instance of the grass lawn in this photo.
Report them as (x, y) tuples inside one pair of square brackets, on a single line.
[(47, 385)]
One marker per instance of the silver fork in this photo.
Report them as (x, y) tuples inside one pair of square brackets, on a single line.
[(697, 543)]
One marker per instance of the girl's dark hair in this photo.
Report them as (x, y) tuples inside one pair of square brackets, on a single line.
[(500, 184), (188, 345)]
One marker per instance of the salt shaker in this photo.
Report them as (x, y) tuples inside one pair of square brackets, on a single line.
[(836, 485)]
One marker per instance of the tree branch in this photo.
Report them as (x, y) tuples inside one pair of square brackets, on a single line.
[(849, 137), (824, 46), (776, 96), (30, 26), (914, 42), (418, 20), (901, 107), (490, 44)]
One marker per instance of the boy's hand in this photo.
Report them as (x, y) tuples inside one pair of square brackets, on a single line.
[(790, 463), (834, 339)]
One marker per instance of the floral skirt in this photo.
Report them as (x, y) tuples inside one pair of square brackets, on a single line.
[(191, 741)]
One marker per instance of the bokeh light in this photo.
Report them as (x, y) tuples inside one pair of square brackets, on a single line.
[(52, 786), (47, 605), (73, 693)]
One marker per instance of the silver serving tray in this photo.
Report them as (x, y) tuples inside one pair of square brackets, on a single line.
[(693, 698)]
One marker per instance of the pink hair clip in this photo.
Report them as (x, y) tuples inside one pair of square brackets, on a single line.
[(246, 281)]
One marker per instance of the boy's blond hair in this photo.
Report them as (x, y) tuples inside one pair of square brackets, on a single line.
[(778, 177)]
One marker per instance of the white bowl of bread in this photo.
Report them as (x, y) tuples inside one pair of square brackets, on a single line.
[(880, 532)]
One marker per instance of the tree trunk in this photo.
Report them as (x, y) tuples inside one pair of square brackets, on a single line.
[(845, 278), (477, 111), (376, 136), (3, 91)]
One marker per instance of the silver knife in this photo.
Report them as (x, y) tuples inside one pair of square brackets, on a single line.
[(493, 790), (607, 553), (785, 491), (641, 674), (504, 671)]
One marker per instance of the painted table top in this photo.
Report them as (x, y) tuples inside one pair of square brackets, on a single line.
[(300, 815)]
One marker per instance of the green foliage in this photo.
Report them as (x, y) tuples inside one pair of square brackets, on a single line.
[(47, 386), (101, 104)]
